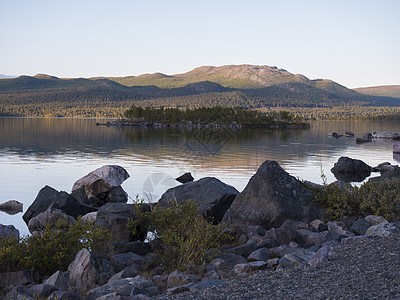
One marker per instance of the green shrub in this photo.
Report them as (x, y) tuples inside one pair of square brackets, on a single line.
[(183, 239), (379, 198), (53, 249)]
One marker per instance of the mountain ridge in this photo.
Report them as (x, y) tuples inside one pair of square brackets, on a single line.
[(245, 85)]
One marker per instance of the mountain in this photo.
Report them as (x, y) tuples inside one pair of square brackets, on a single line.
[(249, 86), (238, 77), (384, 90)]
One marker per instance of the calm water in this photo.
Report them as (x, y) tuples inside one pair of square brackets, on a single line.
[(56, 152)]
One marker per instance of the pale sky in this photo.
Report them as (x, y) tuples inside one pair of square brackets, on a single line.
[(354, 42)]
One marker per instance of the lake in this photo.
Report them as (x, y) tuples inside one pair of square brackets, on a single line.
[(36, 152)]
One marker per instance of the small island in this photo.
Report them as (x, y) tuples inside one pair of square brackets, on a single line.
[(217, 116)]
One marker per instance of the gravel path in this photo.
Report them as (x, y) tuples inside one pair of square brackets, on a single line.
[(368, 269)]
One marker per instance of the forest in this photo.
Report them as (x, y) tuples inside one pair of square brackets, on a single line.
[(212, 115), (47, 96)]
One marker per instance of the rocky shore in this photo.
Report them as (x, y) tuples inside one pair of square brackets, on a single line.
[(286, 247)]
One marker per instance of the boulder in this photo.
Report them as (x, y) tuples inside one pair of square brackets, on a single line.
[(48, 218), (58, 279), (88, 271), (121, 261), (11, 207), (7, 231), (98, 183), (187, 177), (115, 217), (89, 217), (360, 226), (337, 231), (212, 196), (349, 170), (49, 197), (382, 230), (124, 287), (271, 197), (178, 278)]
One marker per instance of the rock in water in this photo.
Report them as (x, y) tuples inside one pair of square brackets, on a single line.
[(187, 177), (271, 197), (98, 183), (348, 169), (11, 207), (212, 196), (49, 197)]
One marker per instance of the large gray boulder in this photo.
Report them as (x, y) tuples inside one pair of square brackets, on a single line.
[(271, 197), (88, 271), (349, 170), (48, 218), (49, 197), (115, 217), (103, 185), (212, 196)]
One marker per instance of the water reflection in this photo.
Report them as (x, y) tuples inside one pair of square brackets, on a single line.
[(36, 152)]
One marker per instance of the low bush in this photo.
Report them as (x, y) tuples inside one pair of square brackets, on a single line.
[(379, 198), (182, 239), (52, 249)]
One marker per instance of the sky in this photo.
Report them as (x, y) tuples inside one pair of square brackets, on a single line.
[(355, 43)]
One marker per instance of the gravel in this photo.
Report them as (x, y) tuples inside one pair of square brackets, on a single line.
[(367, 269)]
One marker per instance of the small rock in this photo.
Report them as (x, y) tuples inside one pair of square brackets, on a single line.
[(259, 255), (353, 239), (297, 258), (375, 220), (244, 250), (187, 177), (178, 278), (360, 226), (249, 267)]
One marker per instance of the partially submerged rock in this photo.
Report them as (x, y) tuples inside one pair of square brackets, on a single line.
[(11, 207), (49, 197), (351, 170)]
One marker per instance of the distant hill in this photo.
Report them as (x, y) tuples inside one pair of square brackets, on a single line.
[(384, 90), (248, 86)]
